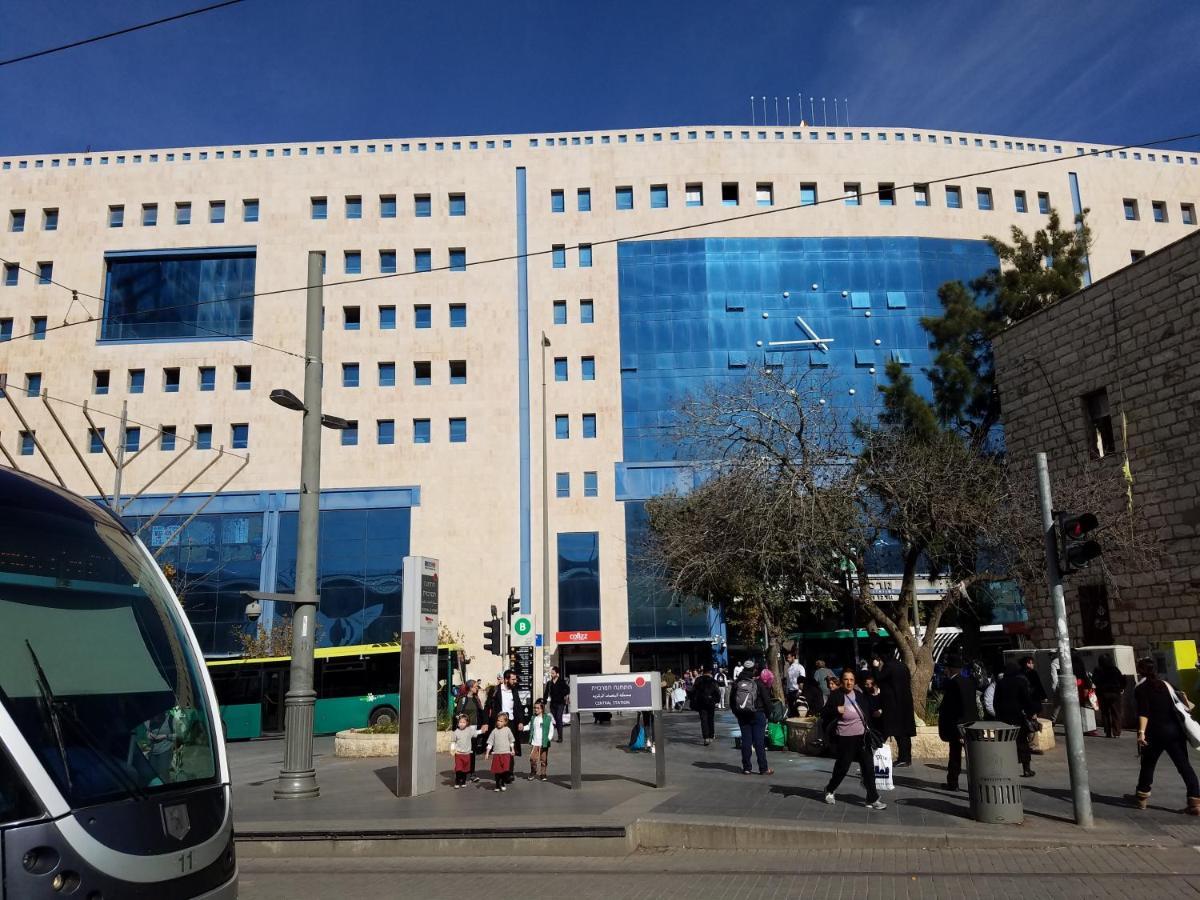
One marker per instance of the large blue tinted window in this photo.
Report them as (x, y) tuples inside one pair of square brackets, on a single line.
[(202, 294), (579, 581), (654, 611)]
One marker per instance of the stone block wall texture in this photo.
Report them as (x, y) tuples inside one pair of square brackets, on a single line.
[(1135, 334)]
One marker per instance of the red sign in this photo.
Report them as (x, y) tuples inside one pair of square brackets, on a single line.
[(577, 637)]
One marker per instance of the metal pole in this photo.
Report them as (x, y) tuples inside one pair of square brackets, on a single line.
[(120, 461), (1067, 694), (660, 749), (298, 778), (545, 528), (577, 752)]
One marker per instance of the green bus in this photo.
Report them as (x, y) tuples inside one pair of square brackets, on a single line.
[(356, 686)]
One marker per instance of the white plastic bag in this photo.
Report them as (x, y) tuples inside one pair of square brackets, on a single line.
[(883, 769), (566, 717)]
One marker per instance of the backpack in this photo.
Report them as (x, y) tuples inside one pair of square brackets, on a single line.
[(745, 695), (637, 739)]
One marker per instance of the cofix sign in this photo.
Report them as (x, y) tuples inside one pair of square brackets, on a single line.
[(577, 637)]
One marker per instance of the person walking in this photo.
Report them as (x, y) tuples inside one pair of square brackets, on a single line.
[(541, 733), (462, 746), (505, 700), (821, 676), (849, 711), (1015, 704), (1160, 730), (751, 701), (722, 680), (471, 706), (501, 744), (959, 690), (895, 698), (793, 677), (704, 701), (1110, 689), (557, 694)]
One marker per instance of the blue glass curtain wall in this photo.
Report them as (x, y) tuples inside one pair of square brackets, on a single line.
[(579, 581), (176, 294), (654, 612)]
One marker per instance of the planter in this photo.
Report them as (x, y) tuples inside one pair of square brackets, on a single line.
[(356, 744)]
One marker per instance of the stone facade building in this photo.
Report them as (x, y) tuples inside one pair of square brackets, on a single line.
[(1106, 376)]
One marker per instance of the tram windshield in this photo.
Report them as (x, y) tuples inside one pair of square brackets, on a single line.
[(94, 666)]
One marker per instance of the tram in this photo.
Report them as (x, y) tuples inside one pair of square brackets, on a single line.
[(113, 775)]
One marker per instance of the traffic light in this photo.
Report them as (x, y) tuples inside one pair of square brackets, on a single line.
[(1076, 549), (491, 636), (514, 604)]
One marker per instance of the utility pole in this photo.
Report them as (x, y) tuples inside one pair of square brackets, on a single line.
[(120, 461), (1067, 693), (298, 778), (545, 673)]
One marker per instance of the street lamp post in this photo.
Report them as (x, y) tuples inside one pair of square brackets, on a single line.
[(545, 527)]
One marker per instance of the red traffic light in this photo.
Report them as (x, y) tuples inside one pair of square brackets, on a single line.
[(1076, 527)]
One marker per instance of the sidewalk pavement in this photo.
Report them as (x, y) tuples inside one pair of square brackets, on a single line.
[(707, 789)]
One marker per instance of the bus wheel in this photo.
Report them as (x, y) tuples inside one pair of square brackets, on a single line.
[(383, 715)]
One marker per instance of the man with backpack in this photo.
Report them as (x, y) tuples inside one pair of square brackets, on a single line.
[(751, 701)]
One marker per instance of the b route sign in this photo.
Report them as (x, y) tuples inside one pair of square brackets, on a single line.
[(522, 631)]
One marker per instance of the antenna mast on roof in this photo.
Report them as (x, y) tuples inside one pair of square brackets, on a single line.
[(776, 111), (846, 103), (836, 121), (789, 109), (812, 110), (751, 109), (824, 113)]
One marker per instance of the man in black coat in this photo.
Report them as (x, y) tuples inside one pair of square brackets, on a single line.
[(506, 699), (704, 701), (556, 694), (959, 691), (1015, 704), (895, 702)]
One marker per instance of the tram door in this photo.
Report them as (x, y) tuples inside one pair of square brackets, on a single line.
[(275, 685)]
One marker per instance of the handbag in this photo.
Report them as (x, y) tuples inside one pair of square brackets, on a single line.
[(882, 759), (1190, 726), (566, 717), (871, 738)]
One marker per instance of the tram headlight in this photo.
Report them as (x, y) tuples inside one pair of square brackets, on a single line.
[(40, 860)]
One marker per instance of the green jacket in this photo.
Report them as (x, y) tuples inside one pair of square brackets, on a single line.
[(547, 735)]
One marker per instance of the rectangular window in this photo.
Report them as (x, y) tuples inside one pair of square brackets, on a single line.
[(591, 484), (421, 431), (887, 193), (422, 373), (27, 444), (33, 384), (458, 315), (241, 378), (422, 316), (350, 375), (458, 204), (1135, 255), (729, 193), (560, 312), (100, 381), (387, 374), (562, 484), (95, 440), (422, 260), (16, 221), (354, 207), (171, 381), (45, 273), (808, 194), (116, 216), (38, 327), (208, 378), (1043, 203), (216, 212), (983, 198), (587, 368), (50, 219), (385, 431), (694, 194), (422, 207), (953, 197), (586, 312), (583, 199), (1187, 213), (149, 215), (387, 206), (203, 437), (562, 428), (239, 436), (137, 381), (320, 208), (624, 198), (589, 425), (558, 256), (1099, 423), (1019, 201), (458, 431), (12, 272), (249, 210), (350, 434), (764, 193), (351, 318), (560, 368), (458, 371), (167, 440), (921, 194), (1131, 209), (458, 259), (557, 202), (1159, 208), (579, 581), (853, 192), (353, 262), (133, 439), (387, 318), (183, 214), (387, 262), (585, 256), (6, 329), (179, 294), (658, 196)]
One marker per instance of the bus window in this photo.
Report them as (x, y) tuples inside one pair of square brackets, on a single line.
[(383, 673), (16, 801), (344, 678)]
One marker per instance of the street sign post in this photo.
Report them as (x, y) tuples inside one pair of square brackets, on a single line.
[(416, 770), (620, 692)]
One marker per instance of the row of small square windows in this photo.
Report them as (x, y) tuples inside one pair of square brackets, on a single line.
[(562, 484), (588, 140), (456, 205), (116, 215), (1158, 208), (352, 263)]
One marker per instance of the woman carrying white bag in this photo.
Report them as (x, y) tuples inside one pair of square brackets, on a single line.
[(1165, 726)]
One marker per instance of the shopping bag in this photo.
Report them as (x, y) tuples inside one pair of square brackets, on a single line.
[(637, 739), (883, 769), (776, 736), (566, 717)]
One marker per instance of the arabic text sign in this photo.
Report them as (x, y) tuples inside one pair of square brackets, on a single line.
[(628, 691)]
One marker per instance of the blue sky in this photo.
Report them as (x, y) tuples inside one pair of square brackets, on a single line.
[(292, 70)]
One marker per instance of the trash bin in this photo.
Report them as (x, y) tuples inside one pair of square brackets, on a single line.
[(992, 772)]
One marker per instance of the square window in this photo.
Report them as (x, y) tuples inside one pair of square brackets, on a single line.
[(557, 202), (350, 434), (1019, 201), (586, 312), (249, 210), (100, 381), (729, 193), (1187, 213), (216, 212), (591, 484), (149, 215), (171, 381), (203, 437), (458, 371), (422, 373), (95, 440), (458, 259), (422, 207), (239, 436), (458, 204), (1159, 209), (387, 206), (116, 216), (27, 443), (38, 327), (16, 221), (351, 318), (387, 318), (422, 260), (50, 219), (137, 381), (353, 262), (558, 256), (585, 256), (12, 272), (693, 194), (350, 375), (853, 192), (589, 425), (624, 198), (208, 378), (320, 208), (560, 368), (354, 207), (1135, 255), (583, 199), (983, 198), (658, 196), (422, 316), (562, 428), (808, 194), (458, 431), (921, 194), (387, 262), (560, 312), (1043, 203), (167, 439), (887, 193), (45, 273), (421, 431), (387, 374), (562, 484), (183, 214), (458, 315), (764, 193), (385, 431), (241, 378), (587, 368)]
